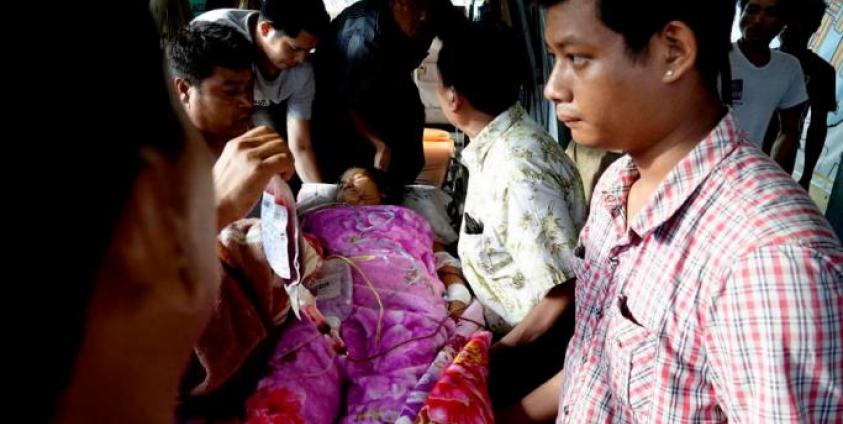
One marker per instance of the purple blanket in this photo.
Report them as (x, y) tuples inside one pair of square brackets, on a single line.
[(381, 290)]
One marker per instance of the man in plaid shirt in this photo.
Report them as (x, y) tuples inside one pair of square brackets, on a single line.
[(709, 286)]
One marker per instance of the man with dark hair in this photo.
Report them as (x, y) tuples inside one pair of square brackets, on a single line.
[(767, 82), (524, 205), (819, 77), (283, 33), (708, 283), (368, 111), (211, 68)]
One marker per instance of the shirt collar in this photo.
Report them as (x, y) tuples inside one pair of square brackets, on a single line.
[(681, 183), (474, 155)]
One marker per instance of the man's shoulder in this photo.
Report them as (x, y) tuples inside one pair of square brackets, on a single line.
[(784, 62), (300, 73), (235, 18), (361, 17), (752, 188), (224, 16), (527, 141), (812, 63)]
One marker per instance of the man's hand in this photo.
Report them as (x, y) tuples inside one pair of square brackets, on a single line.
[(383, 156), (244, 168)]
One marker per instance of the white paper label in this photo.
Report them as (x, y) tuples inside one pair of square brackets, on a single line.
[(274, 234)]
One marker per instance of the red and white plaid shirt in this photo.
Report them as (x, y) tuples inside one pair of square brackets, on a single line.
[(723, 301)]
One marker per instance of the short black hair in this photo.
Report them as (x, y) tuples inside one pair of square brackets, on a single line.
[(485, 62), (809, 12), (638, 21), (93, 179), (785, 7), (294, 16), (202, 46)]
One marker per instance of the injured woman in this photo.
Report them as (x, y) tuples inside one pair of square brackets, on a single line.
[(394, 338)]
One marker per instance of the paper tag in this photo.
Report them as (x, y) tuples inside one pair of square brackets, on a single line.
[(329, 281), (274, 234)]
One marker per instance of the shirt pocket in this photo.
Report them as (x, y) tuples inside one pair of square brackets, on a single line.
[(580, 263), (631, 350)]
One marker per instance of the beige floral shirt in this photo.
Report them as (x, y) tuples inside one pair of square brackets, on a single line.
[(523, 213)]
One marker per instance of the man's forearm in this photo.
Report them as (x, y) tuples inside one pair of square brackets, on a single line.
[(543, 316), (539, 406), (363, 128), (306, 166), (786, 154)]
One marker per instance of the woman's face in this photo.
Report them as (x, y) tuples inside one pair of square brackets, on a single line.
[(359, 189)]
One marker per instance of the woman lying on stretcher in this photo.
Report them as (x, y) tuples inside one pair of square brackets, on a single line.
[(369, 187), (377, 285)]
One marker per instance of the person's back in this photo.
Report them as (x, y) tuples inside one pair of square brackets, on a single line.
[(368, 111)]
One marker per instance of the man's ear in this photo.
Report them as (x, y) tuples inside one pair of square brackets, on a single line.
[(264, 28), (182, 90), (677, 50), (453, 99)]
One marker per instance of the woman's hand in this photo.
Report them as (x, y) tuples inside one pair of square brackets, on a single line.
[(456, 308)]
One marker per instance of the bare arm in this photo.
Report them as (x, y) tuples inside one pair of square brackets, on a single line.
[(450, 275), (788, 140), (542, 317), (382, 151), (814, 141), (298, 132), (539, 406)]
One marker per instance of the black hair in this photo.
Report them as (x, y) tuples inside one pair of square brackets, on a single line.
[(809, 12), (785, 6), (195, 51), (294, 16), (485, 63), (638, 21)]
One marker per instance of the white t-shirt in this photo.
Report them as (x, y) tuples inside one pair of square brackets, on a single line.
[(295, 85), (758, 92)]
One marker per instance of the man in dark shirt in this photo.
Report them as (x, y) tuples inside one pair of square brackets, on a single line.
[(819, 79), (367, 109)]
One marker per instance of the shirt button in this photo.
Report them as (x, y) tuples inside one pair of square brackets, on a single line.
[(613, 261), (584, 359), (565, 409), (599, 313)]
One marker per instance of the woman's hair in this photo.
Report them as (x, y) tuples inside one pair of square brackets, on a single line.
[(391, 193)]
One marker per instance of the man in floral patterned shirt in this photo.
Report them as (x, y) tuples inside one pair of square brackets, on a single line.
[(525, 205)]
